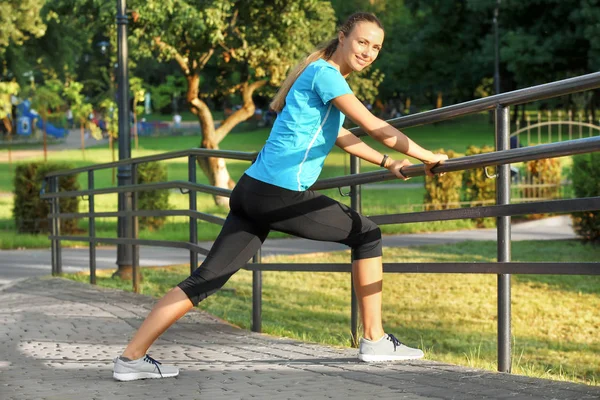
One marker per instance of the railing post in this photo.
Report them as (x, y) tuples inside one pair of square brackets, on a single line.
[(503, 227), (135, 255), (193, 207), (355, 203), (92, 228), (52, 189), (55, 208), (124, 228), (257, 295)]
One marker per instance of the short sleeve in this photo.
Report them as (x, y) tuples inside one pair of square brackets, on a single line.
[(328, 83)]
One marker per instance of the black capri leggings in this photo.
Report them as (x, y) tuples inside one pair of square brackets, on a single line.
[(256, 208)]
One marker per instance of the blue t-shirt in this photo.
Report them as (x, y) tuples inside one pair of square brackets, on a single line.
[(305, 130)]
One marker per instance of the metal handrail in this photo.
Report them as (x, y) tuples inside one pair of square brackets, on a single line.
[(577, 146), (534, 93), (550, 150), (232, 155), (142, 187)]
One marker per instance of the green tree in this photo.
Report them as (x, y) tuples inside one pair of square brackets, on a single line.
[(7, 90), (249, 43), (20, 20), (164, 93), (110, 115), (44, 99), (81, 111), (138, 93)]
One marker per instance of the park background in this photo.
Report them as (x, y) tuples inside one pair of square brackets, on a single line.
[(210, 68)]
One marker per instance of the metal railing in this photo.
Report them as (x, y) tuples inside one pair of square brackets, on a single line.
[(503, 210)]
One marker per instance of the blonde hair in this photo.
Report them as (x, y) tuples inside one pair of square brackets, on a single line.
[(324, 51)]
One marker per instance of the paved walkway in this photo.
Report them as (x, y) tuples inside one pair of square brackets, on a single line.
[(59, 338), (71, 141), (18, 263)]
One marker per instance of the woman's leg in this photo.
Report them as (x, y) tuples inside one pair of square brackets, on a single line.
[(174, 305), (238, 241), (368, 282), (315, 216)]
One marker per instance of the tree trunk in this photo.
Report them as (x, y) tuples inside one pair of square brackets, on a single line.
[(9, 128), (515, 115), (591, 106), (215, 169), (82, 140), (112, 151), (45, 141), (135, 130)]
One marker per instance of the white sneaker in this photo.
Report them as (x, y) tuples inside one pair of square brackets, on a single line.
[(388, 348), (142, 368)]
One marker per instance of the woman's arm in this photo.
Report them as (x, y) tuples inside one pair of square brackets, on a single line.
[(384, 132), (353, 145)]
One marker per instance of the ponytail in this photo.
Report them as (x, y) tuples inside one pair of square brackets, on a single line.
[(324, 51)]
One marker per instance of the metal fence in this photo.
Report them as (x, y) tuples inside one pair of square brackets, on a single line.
[(502, 210)]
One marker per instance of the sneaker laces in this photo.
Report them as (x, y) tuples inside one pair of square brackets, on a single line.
[(151, 360), (394, 340)]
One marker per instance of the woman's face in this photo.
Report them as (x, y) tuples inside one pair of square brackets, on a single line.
[(361, 47)]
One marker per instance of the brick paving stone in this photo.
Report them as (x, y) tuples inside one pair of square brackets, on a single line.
[(58, 339)]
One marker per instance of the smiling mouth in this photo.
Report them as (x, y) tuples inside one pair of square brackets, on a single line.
[(361, 61)]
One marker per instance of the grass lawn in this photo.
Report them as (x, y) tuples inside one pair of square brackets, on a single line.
[(185, 116), (555, 320), (456, 134), (176, 228)]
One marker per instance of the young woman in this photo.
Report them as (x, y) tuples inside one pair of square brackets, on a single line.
[(274, 194)]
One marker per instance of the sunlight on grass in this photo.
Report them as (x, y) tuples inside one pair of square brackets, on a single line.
[(555, 323), (455, 134), (176, 228)]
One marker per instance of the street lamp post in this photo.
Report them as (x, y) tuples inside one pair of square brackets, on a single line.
[(496, 50), (124, 252)]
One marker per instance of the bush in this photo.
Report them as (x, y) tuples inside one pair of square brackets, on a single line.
[(586, 183), (152, 199), (478, 189), (30, 212), (544, 176), (443, 192)]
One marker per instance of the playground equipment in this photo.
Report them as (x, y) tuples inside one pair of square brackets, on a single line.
[(26, 117)]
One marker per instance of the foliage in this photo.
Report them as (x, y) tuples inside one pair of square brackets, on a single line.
[(437, 48), (233, 41), (46, 98), (162, 95), (152, 199), (30, 212), (448, 46), (20, 20), (545, 178), (229, 42), (443, 192), (365, 85), (80, 108), (109, 111), (478, 189), (136, 86), (586, 183), (531, 51), (7, 90)]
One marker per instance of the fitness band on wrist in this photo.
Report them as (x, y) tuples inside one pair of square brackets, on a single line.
[(385, 157)]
